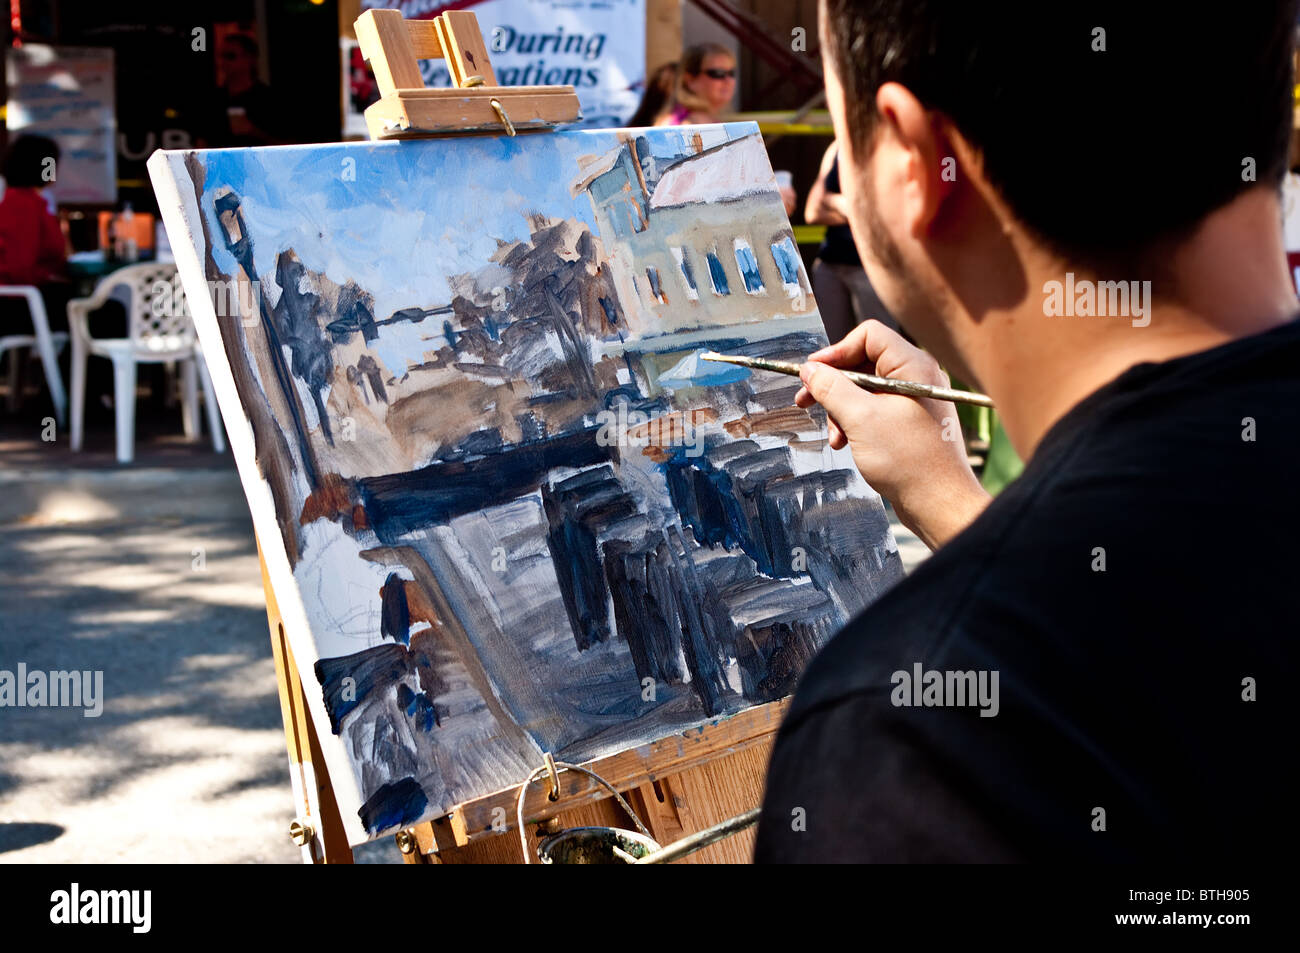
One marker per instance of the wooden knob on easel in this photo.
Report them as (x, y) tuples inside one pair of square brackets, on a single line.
[(300, 833)]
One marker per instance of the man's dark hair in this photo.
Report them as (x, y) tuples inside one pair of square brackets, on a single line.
[(1102, 143), (24, 164)]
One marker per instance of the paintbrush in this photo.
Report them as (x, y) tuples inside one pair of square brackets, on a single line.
[(881, 385)]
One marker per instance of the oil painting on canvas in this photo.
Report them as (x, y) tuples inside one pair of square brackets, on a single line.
[(508, 508)]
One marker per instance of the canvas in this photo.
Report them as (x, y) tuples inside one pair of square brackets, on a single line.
[(507, 508)]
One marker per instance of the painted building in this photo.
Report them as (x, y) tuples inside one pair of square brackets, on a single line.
[(690, 244)]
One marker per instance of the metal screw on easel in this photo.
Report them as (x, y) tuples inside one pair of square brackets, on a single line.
[(406, 842), (476, 80), (552, 824), (301, 833), (501, 114)]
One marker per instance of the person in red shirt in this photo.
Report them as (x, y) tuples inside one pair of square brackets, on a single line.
[(32, 248), (33, 251)]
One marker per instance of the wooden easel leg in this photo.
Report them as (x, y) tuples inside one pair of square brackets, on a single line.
[(313, 794)]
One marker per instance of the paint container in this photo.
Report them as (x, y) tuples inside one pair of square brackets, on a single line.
[(595, 845)]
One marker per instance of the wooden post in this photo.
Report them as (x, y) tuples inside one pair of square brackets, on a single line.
[(663, 34), (317, 810), (349, 10)]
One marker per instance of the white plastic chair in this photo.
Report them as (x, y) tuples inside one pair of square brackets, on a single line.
[(47, 345), (155, 335)]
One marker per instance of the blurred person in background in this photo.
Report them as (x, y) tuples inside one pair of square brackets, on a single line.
[(245, 108), (33, 249), (706, 84), (658, 97), (843, 291)]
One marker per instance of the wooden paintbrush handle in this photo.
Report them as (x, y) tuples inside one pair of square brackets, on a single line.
[(888, 385)]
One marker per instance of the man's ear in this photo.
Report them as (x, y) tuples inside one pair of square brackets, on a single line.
[(914, 155)]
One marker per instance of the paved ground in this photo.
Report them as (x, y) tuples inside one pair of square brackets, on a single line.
[(148, 574)]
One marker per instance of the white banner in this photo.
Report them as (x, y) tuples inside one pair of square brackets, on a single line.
[(66, 93), (595, 46)]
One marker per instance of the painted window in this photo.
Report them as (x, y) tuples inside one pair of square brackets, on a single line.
[(656, 289), (748, 267), (787, 265), (688, 276), (717, 275)]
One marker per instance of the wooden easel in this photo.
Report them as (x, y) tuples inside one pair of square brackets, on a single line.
[(406, 109), (678, 785)]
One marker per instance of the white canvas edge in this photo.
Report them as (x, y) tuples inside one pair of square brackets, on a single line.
[(167, 172)]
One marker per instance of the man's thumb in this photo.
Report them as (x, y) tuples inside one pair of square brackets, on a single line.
[(826, 384)]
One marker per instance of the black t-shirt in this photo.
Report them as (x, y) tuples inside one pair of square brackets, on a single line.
[(260, 108), (1143, 568), (837, 247)]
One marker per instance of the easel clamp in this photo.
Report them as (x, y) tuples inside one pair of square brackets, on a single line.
[(475, 104)]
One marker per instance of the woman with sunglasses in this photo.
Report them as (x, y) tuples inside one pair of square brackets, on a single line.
[(706, 84)]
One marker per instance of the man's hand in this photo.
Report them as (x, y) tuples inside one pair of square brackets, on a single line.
[(909, 450)]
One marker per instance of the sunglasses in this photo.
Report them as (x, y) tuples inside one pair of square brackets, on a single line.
[(720, 73)]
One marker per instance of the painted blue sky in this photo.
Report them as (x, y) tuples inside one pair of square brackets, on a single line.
[(416, 211)]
